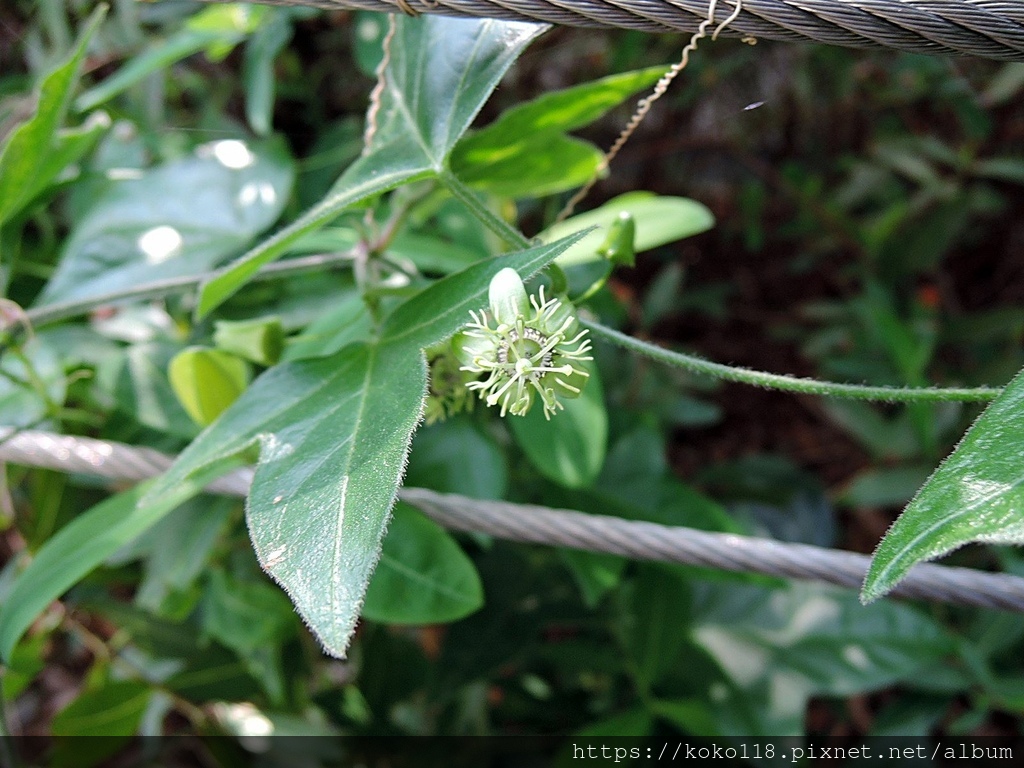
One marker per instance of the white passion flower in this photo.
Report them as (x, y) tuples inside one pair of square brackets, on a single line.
[(522, 348)]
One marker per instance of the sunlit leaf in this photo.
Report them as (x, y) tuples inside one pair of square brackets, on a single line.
[(207, 381), (659, 220), (178, 218)]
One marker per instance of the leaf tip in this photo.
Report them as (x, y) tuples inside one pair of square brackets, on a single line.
[(211, 296)]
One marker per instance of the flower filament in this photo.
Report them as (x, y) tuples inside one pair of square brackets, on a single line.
[(538, 353)]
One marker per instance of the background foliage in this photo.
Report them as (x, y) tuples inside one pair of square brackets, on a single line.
[(867, 227)]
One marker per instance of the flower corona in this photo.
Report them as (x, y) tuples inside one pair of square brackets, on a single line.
[(524, 347)]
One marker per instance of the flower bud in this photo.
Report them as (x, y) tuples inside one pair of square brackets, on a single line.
[(507, 297)]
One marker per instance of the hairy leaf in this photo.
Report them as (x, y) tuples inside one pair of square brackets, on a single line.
[(440, 73), (976, 495), (334, 434)]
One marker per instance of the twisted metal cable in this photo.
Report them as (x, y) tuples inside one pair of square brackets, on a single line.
[(991, 29), (565, 528)]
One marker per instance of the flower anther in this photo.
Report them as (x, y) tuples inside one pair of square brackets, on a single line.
[(524, 347)]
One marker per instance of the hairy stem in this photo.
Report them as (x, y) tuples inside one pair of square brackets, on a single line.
[(790, 383), (52, 313), (495, 223)]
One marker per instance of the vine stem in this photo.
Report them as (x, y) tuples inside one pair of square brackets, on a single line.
[(55, 312), (488, 218), (52, 313), (790, 383)]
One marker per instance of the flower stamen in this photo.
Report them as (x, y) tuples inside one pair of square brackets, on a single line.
[(525, 346)]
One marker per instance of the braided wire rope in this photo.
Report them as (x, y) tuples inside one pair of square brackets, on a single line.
[(558, 527), (990, 29)]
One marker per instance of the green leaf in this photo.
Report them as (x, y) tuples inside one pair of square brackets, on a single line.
[(454, 456), (438, 312), (1009, 169), (433, 254), (70, 145), (977, 494), (113, 710), (659, 622), (526, 152), (179, 218), (135, 382), (245, 615), (334, 435), (368, 31), (27, 159), (536, 165), (570, 447), (348, 322), (884, 486), (82, 545), (178, 548), (815, 639), (216, 30), (207, 381), (440, 74), (27, 660), (659, 220), (423, 576), (261, 51), (29, 392), (564, 110), (637, 478)]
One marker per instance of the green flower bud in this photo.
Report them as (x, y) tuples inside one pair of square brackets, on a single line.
[(507, 296), (447, 394)]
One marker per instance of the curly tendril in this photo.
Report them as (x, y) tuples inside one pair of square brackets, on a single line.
[(522, 348)]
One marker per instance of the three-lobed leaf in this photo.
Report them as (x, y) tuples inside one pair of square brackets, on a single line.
[(440, 73), (334, 435), (976, 495)]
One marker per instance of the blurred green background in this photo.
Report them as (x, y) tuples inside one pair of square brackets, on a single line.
[(870, 228)]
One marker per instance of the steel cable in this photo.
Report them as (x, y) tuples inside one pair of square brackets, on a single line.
[(563, 528), (991, 29)]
